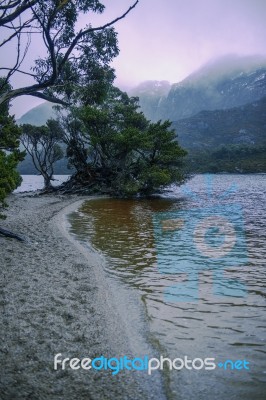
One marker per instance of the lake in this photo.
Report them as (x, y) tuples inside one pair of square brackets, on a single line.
[(195, 258), (35, 182)]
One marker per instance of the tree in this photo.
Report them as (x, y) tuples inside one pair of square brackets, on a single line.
[(123, 153), (75, 59), (77, 145), (9, 152), (11, 10), (42, 144)]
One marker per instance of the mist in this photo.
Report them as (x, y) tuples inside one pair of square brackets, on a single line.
[(169, 40)]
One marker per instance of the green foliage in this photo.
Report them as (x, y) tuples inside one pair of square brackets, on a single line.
[(229, 158), (42, 144), (9, 177), (243, 125), (76, 65), (121, 150), (9, 152), (230, 140)]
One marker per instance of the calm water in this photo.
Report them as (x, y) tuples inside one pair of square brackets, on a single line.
[(36, 182), (228, 325)]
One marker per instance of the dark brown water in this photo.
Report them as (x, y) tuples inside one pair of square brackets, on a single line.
[(229, 325)]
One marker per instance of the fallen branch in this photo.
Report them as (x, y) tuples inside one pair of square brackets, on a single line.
[(12, 235)]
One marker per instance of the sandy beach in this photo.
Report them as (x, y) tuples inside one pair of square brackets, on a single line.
[(55, 299)]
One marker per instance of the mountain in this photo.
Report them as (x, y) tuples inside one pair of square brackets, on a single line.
[(232, 140), (227, 82), (219, 114), (38, 115), (151, 94), (224, 83), (210, 129)]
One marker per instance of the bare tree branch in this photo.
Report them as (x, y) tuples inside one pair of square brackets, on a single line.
[(51, 99), (9, 5), (99, 28), (53, 66), (24, 5), (19, 71)]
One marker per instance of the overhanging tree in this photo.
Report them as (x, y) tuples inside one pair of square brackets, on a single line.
[(75, 58), (75, 67)]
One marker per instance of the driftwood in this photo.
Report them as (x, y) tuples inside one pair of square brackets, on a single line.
[(12, 235)]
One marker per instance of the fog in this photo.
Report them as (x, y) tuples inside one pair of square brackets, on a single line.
[(168, 40)]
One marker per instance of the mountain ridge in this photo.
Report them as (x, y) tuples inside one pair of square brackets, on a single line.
[(223, 83), (38, 115), (209, 129), (223, 103)]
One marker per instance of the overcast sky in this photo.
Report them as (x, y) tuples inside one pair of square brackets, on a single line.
[(169, 39)]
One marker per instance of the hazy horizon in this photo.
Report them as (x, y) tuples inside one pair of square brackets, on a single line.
[(170, 40)]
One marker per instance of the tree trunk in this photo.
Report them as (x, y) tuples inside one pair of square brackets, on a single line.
[(47, 182)]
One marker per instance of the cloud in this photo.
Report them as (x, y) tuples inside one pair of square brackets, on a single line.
[(168, 40)]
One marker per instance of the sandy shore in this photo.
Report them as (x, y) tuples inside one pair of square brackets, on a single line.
[(54, 299)]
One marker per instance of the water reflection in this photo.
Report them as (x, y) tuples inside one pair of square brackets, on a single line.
[(215, 326), (122, 230)]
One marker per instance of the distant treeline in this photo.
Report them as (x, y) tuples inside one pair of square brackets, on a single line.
[(228, 158)]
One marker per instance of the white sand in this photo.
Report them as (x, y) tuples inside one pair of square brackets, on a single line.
[(55, 298)]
